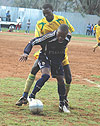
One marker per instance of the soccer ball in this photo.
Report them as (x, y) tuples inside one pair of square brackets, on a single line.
[(35, 105)]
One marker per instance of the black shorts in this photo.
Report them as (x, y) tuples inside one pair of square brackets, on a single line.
[(55, 69)]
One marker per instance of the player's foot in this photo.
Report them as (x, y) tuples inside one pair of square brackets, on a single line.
[(32, 96), (22, 101), (93, 49), (66, 103), (64, 108)]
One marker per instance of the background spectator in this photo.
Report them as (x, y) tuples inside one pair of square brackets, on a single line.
[(0, 25), (8, 17), (18, 24), (11, 28), (92, 26), (94, 31), (28, 26), (88, 31)]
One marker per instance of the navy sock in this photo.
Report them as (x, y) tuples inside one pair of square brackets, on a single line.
[(40, 83), (61, 92), (25, 94)]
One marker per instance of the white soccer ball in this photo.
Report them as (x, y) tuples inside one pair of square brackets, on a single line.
[(35, 105)]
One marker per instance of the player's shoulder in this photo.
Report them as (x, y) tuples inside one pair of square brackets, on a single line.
[(42, 20), (98, 25), (59, 17)]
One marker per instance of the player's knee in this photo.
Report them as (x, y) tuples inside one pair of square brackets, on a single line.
[(34, 70), (60, 80), (98, 44), (68, 80), (31, 77), (45, 77)]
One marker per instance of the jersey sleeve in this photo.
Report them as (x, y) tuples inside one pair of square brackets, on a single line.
[(29, 46), (38, 41), (94, 28), (71, 28), (37, 31)]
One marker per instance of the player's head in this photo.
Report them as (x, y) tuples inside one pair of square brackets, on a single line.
[(48, 11), (99, 22), (62, 32)]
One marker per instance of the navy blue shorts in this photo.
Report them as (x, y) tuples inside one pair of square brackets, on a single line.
[(55, 69)]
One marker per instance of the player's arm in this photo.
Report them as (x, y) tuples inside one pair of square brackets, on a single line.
[(37, 31), (94, 29), (68, 37), (71, 28), (36, 41), (27, 50)]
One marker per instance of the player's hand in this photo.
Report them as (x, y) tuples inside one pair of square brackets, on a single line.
[(23, 57)]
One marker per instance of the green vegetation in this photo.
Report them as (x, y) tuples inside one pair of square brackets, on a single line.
[(23, 31), (79, 35), (95, 76), (83, 101), (19, 31)]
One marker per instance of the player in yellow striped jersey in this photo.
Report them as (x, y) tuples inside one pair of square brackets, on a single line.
[(97, 31), (49, 23)]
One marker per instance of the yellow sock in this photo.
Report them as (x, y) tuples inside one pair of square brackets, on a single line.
[(29, 82)]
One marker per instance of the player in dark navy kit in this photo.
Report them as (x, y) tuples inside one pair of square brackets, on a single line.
[(51, 56), (48, 23)]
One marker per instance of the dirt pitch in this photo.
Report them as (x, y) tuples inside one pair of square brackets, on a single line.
[(83, 61)]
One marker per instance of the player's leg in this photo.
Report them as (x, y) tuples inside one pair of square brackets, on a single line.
[(45, 70), (57, 72), (68, 78), (63, 107), (39, 84), (28, 84), (98, 44), (67, 73)]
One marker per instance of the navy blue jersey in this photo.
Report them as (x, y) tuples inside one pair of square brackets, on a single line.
[(51, 48)]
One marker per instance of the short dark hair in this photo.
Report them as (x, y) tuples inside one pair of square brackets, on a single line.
[(63, 27), (47, 5)]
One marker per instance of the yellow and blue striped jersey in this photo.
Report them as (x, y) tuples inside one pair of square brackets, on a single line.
[(97, 29), (43, 26)]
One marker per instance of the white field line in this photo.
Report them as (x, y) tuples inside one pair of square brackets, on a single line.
[(88, 80), (92, 82)]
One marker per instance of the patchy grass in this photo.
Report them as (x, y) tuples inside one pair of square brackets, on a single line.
[(20, 31), (83, 101), (80, 35), (96, 76)]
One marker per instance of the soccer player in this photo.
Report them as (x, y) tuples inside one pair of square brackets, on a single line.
[(97, 31), (52, 54), (49, 23)]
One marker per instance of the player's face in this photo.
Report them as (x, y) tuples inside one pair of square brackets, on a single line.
[(61, 36), (48, 14)]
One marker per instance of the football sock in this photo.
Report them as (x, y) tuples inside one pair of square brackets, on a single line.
[(32, 96), (67, 87), (61, 92), (29, 82), (25, 94), (40, 83)]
